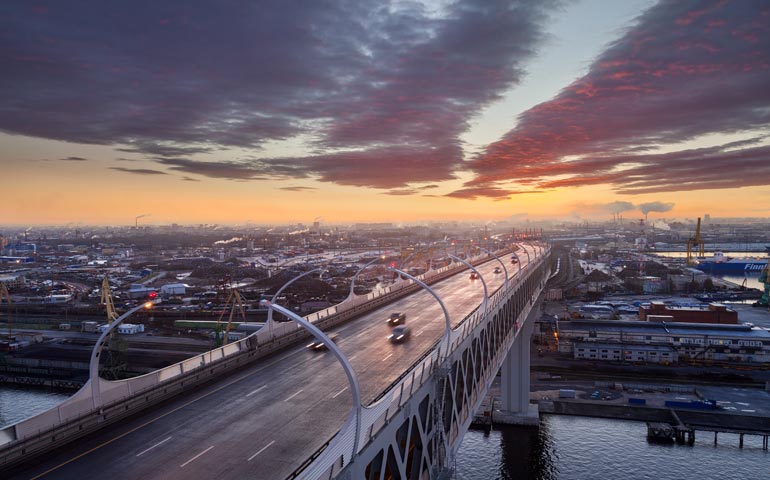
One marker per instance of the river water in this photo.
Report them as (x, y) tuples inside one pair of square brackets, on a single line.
[(582, 448), (18, 403), (564, 448)]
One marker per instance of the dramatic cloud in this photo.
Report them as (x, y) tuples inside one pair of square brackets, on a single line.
[(646, 208), (139, 171), (228, 170), (684, 70), (493, 192), (356, 80), (401, 192)]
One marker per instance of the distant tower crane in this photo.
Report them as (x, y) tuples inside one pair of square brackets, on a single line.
[(695, 241)]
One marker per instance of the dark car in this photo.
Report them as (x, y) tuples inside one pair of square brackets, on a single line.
[(514, 260), (318, 345), (497, 270), (474, 276), (400, 334), (396, 318)]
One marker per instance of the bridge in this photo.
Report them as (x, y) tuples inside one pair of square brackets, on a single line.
[(267, 407)]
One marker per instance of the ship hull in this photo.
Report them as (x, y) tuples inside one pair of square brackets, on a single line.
[(731, 267)]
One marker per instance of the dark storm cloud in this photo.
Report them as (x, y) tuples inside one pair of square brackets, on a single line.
[(139, 171), (175, 79), (686, 69)]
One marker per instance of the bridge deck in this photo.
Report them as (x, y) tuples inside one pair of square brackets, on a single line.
[(262, 421)]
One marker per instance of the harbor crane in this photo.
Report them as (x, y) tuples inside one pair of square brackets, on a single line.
[(115, 359), (235, 303), (106, 300), (693, 242)]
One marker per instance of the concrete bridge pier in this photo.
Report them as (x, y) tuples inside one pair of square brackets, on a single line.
[(515, 407)]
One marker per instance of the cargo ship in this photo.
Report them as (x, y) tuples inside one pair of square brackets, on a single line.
[(721, 263)]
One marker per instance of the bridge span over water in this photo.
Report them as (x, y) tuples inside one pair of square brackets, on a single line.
[(267, 407)]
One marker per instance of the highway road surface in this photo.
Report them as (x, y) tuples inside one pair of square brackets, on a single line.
[(263, 421)]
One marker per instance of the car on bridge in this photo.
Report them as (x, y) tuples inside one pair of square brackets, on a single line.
[(514, 260), (497, 270), (396, 318), (400, 334), (319, 346), (474, 276)]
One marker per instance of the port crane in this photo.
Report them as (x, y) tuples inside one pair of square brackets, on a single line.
[(695, 242), (115, 361), (235, 303), (106, 300)]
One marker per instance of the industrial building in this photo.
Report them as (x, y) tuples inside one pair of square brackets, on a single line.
[(712, 313), (661, 342), (124, 328)]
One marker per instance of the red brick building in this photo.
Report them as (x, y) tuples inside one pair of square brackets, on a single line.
[(713, 313)]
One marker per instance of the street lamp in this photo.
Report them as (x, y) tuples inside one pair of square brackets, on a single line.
[(353, 280), (525, 251), (93, 367), (481, 277), (447, 326), (355, 412), (502, 263), (280, 290)]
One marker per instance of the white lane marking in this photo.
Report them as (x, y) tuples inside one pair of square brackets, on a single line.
[(294, 395), (350, 358), (338, 393), (261, 450), (190, 460), (156, 445), (748, 411), (255, 391), (387, 357)]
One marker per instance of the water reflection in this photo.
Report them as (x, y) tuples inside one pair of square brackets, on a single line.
[(579, 448)]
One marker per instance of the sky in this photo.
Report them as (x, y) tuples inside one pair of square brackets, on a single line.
[(369, 111)]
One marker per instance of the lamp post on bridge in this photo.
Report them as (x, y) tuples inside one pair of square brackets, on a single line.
[(502, 263), (352, 379), (447, 324), (481, 277), (353, 280), (93, 366), (280, 290), (527, 252)]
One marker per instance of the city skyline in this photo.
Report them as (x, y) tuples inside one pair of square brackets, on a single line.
[(401, 112)]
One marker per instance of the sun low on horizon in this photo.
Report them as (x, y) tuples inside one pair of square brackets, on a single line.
[(268, 112)]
